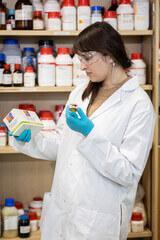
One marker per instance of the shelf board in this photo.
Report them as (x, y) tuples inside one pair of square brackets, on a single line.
[(7, 150), (146, 87), (35, 89), (64, 33), (145, 234)]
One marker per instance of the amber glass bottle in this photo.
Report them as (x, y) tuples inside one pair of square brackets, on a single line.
[(23, 15), (3, 12)]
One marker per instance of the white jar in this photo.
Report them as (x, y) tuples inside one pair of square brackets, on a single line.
[(54, 21), (3, 136), (125, 15), (47, 119), (63, 68), (83, 14), (96, 15), (137, 223), (46, 67), (141, 14), (111, 18), (79, 76), (29, 77), (138, 68), (68, 13), (50, 6)]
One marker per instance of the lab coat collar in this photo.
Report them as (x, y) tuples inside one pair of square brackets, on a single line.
[(117, 96)]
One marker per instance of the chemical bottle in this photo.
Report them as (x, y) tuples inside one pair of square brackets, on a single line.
[(54, 21), (24, 226), (10, 24), (114, 5), (125, 15), (50, 6), (68, 12), (46, 67), (10, 219), (111, 18), (141, 14), (20, 208), (137, 223), (47, 119), (38, 23), (58, 111), (23, 15), (2, 16), (33, 221), (7, 76), (3, 136), (63, 67), (138, 68), (96, 15), (29, 77), (17, 76), (83, 14), (29, 58), (2, 62)]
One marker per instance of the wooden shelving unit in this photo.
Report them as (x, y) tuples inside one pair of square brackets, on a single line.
[(7, 150)]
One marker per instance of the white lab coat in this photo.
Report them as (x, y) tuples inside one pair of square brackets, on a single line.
[(96, 177)]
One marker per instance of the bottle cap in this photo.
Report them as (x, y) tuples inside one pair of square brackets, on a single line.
[(2, 57), (83, 3), (53, 14), (17, 66), (10, 41), (18, 205), (59, 107), (136, 56), (29, 107), (63, 51), (29, 69), (37, 14), (137, 216), (68, 3), (45, 43), (96, 8), (2, 129), (9, 202), (110, 14), (28, 49), (24, 217), (33, 216), (46, 50), (125, 2), (38, 199), (6, 66), (45, 115)]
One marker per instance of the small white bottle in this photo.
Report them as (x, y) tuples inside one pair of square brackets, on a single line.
[(68, 13), (137, 223), (3, 136), (96, 15), (29, 77), (54, 21), (79, 76), (83, 14), (138, 68), (50, 6), (141, 14), (125, 15), (111, 18), (47, 119), (46, 67), (63, 68)]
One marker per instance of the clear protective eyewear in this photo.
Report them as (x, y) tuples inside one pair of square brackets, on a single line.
[(89, 58)]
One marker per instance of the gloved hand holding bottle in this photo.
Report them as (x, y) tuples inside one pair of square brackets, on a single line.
[(25, 136), (78, 121)]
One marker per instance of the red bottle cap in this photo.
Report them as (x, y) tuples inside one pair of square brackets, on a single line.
[(46, 115), (29, 107), (136, 56), (125, 2), (18, 205), (53, 14), (59, 107), (33, 216), (17, 66), (2, 129), (29, 69), (6, 66), (37, 14), (68, 3), (63, 51), (137, 216), (83, 3), (46, 50), (110, 14), (37, 199)]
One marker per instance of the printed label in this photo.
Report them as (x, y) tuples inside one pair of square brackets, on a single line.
[(17, 78), (25, 229), (7, 79), (2, 18), (10, 223), (1, 75), (24, 14)]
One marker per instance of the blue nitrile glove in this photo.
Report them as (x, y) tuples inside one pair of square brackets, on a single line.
[(79, 122), (25, 136)]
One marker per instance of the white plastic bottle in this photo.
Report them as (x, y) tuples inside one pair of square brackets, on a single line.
[(63, 68), (111, 18), (141, 14), (83, 14), (29, 77), (46, 67), (47, 119), (50, 6), (79, 76), (54, 21), (96, 15), (138, 68), (125, 15), (68, 13)]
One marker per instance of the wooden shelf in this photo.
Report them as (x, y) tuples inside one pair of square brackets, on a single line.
[(147, 87), (7, 150), (41, 33), (146, 233)]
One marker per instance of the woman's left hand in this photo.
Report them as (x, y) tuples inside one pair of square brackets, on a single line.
[(78, 121)]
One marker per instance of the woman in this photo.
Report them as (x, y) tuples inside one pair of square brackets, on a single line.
[(100, 150)]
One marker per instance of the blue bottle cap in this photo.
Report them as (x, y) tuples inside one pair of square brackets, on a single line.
[(96, 8), (2, 57), (24, 217), (11, 12), (10, 41), (9, 202), (28, 49)]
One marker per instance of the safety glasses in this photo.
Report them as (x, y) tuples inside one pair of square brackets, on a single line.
[(89, 58)]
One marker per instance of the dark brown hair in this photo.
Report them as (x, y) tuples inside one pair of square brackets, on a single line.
[(103, 38)]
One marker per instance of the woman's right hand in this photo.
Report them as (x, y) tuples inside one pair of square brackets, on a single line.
[(25, 136)]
